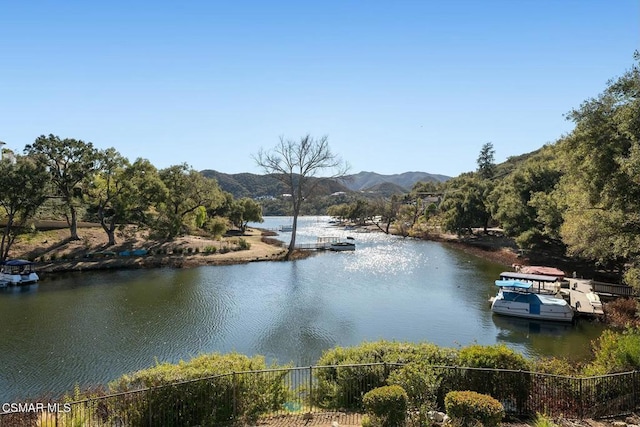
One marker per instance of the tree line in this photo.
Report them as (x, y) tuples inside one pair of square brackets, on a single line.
[(70, 178), (578, 196)]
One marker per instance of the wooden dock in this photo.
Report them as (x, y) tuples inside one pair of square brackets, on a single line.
[(321, 244)]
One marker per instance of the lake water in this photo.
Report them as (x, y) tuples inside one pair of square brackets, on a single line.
[(89, 328)]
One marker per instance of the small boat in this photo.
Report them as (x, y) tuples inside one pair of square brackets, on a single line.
[(342, 246), (18, 272), (286, 228), (515, 298)]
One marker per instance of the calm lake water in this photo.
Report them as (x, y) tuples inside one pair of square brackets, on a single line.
[(89, 328)]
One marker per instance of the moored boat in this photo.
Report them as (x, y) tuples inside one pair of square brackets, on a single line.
[(18, 272), (515, 298), (342, 246)]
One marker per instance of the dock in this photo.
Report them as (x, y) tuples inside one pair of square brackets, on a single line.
[(321, 244), (583, 299)]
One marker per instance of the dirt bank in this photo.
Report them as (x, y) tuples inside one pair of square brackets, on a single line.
[(53, 252)]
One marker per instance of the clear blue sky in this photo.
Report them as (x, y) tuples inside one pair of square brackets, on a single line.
[(396, 85)]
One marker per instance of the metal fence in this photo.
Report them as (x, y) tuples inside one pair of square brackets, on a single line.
[(243, 398)]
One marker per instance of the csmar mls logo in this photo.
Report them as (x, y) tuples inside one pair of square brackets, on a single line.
[(36, 407)]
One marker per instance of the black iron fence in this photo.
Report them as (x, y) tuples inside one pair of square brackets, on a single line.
[(243, 398)]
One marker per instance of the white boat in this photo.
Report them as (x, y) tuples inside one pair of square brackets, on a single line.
[(286, 228), (18, 272), (515, 298), (342, 246)]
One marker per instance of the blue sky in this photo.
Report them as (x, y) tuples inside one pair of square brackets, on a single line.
[(395, 85)]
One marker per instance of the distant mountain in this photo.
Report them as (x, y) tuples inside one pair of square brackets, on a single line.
[(386, 189), (252, 185), (367, 180)]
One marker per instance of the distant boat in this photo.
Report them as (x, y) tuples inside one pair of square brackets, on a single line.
[(515, 298), (342, 246), (18, 272), (286, 228)]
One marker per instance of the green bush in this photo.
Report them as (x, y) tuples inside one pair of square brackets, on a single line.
[(468, 408), (389, 352), (616, 352), (420, 382), (512, 385), (182, 394), (342, 387), (543, 421), (210, 249), (492, 356), (386, 406), (244, 245)]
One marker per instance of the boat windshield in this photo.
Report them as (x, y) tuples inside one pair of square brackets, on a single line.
[(513, 284)]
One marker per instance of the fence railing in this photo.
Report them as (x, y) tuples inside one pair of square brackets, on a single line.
[(241, 398)]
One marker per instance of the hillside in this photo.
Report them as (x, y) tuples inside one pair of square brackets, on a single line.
[(406, 180), (253, 185)]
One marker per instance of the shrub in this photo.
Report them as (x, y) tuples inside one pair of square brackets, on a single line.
[(342, 387), (421, 384), (543, 421), (210, 249), (512, 385), (184, 391), (616, 352), (492, 356), (244, 245), (386, 406), (469, 408)]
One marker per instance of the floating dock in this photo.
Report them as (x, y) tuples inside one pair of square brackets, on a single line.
[(583, 299)]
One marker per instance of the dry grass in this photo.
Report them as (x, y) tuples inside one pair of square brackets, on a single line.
[(53, 250)]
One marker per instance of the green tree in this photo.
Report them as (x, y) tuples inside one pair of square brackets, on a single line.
[(23, 186), (486, 161), (187, 190), (70, 163), (122, 193), (244, 211), (387, 212), (464, 204), (525, 202), (602, 186), (296, 165)]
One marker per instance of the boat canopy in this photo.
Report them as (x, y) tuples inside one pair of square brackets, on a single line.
[(513, 284), (541, 270), (510, 275)]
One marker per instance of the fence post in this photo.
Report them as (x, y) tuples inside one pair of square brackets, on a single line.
[(310, 388), (635, 389), (581, 409), (235, 396)]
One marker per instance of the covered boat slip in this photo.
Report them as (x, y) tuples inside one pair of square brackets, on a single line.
[(576, 292), (540, 283)]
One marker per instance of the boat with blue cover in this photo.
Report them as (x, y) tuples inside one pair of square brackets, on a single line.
[(516, 298)]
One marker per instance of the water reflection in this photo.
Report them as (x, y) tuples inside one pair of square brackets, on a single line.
[(91, 327)]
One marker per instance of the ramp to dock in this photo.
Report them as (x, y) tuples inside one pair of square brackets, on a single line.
[(582, 298)]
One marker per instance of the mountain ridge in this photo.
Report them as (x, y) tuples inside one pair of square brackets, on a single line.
[(254, 185)]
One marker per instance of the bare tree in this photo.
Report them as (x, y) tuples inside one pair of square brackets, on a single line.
[(296, 165)]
